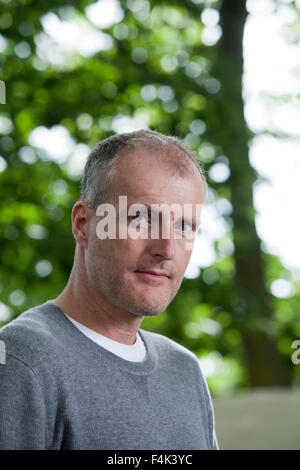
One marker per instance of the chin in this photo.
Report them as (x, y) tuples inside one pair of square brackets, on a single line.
[(152, 314), (143, 311), (149, 313)]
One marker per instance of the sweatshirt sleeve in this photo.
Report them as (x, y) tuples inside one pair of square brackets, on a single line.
[(212, 438), (211, 421), (22, 409)]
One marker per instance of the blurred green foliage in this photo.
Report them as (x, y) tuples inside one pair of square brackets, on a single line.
[(157, 69)]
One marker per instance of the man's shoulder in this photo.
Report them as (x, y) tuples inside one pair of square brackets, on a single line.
[(32, 334), (36, 320)]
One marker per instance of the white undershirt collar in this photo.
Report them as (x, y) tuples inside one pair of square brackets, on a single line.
[(131, 352)]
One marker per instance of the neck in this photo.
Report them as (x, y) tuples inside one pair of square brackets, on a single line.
[(80, 302)]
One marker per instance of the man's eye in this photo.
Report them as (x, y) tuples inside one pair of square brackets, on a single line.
[(138, 218), (185, 227)]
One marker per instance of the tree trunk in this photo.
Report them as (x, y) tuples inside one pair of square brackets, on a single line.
[(266, 367)]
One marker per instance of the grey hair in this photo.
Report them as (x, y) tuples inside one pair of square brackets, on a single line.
[(98, 171)]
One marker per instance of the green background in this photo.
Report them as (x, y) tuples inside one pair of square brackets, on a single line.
[(157, 68)]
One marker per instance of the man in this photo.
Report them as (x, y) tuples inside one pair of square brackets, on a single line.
[(80, 373)]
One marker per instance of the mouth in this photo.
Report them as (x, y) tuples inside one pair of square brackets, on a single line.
[(150, 275)]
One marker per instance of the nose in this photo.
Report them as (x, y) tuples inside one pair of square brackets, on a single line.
[(163, 247)]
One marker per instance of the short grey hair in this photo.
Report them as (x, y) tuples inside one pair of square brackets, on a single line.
[(98, 170)]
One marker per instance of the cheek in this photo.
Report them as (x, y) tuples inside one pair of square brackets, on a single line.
[(118, 252), (183, 256), (132, 249), (102, 254)]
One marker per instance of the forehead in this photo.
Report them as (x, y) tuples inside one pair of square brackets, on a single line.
[(142, 173)]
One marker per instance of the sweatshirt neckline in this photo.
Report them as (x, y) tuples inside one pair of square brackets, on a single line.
[(144, 367)]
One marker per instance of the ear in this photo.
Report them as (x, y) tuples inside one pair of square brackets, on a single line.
[(81, 218)]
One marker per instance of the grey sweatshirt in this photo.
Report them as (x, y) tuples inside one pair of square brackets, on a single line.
[(61, 390)]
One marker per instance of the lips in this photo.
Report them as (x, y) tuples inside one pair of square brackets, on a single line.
[(152, 275)]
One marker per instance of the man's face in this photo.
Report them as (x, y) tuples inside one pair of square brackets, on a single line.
[(116, 267)]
